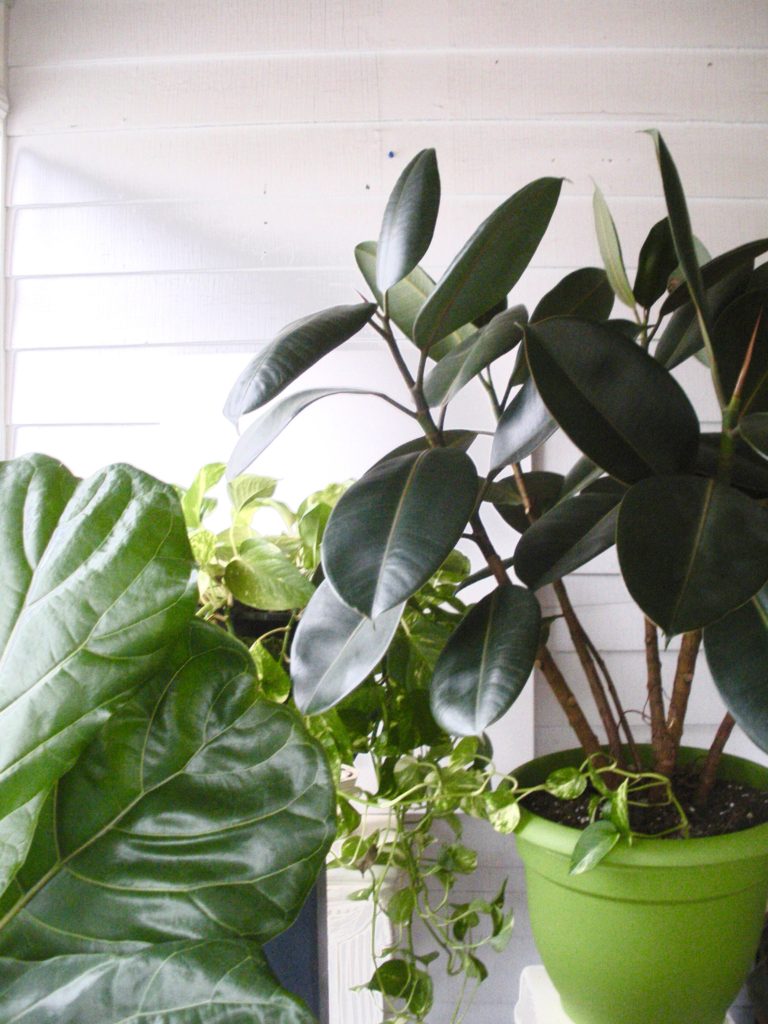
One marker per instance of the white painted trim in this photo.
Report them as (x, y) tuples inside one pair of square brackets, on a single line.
[(5, 372)]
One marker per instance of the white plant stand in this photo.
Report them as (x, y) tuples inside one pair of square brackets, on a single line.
[(539, 1003)]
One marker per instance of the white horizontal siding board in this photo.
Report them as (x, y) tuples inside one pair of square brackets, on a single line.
[(494, 85), (46, 31), (331, 160), (85, 449), (629, 674), (238, 307), (139, 238)]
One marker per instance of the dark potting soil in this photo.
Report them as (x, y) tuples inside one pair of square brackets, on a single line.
[(732, 807)]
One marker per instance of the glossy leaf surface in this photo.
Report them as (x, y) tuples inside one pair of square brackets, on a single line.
[(543, 489), (680, 226), (691, 550), (585, 292), (409, 220), (524, 425), (656, 262), (297, 347), (615, 402), (396, 525), (215, 819), (261, 433), (405, 299), (96, 579), (263, 577), (715, 270), (754, 430), (209, 982), (487, 661), (731, 337), (566, 537), (490, 263), (737, 653), (460, 366), (610, 249), (335, 648)]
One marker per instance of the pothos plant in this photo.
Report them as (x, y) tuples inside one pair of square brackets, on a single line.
[(685, 508), (159, 820), (405, 833)]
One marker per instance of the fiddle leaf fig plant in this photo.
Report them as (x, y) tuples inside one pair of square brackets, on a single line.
[(686, 509), (161, 820)]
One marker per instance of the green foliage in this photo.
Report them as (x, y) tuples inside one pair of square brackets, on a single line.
[(686, 509), (160, 819)]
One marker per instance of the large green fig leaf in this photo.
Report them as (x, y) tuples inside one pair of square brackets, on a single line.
[(409, 220), (543, 490), (754, 430), (616, 403), (460, 366), (566, 537), (487, 661), (691, 549), (737, 653), (297, 347), (335, 648), (219, 982), (96, 579), (396, 526), (490, 263), (405, 299), (199, 811)]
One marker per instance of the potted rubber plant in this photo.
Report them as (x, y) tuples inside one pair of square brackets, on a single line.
[(678, 918), (159, 820)]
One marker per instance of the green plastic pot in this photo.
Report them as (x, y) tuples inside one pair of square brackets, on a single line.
[(661, 932)]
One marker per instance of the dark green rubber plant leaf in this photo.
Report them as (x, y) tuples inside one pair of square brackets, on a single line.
[(746, 316), (616, 403), (460, 366), (490, 263), (524, 425), (335, 648), (737, 654), (585, 292), (95, 579), (715, 270), (567, 537), (409, 220), (691, 550), (396, 525), (262, 432), (405, 299), (656, 262), (754, 430), (262, 576), (215, 982), (748, 471), (542, 488), (487, 661), (461, 439), (200, 811), (297, 347), (682, 336)]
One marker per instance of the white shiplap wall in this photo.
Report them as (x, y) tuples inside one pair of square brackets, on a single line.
[(185, 176)]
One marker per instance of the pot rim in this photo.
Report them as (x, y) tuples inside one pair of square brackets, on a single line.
[(747, 844)]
